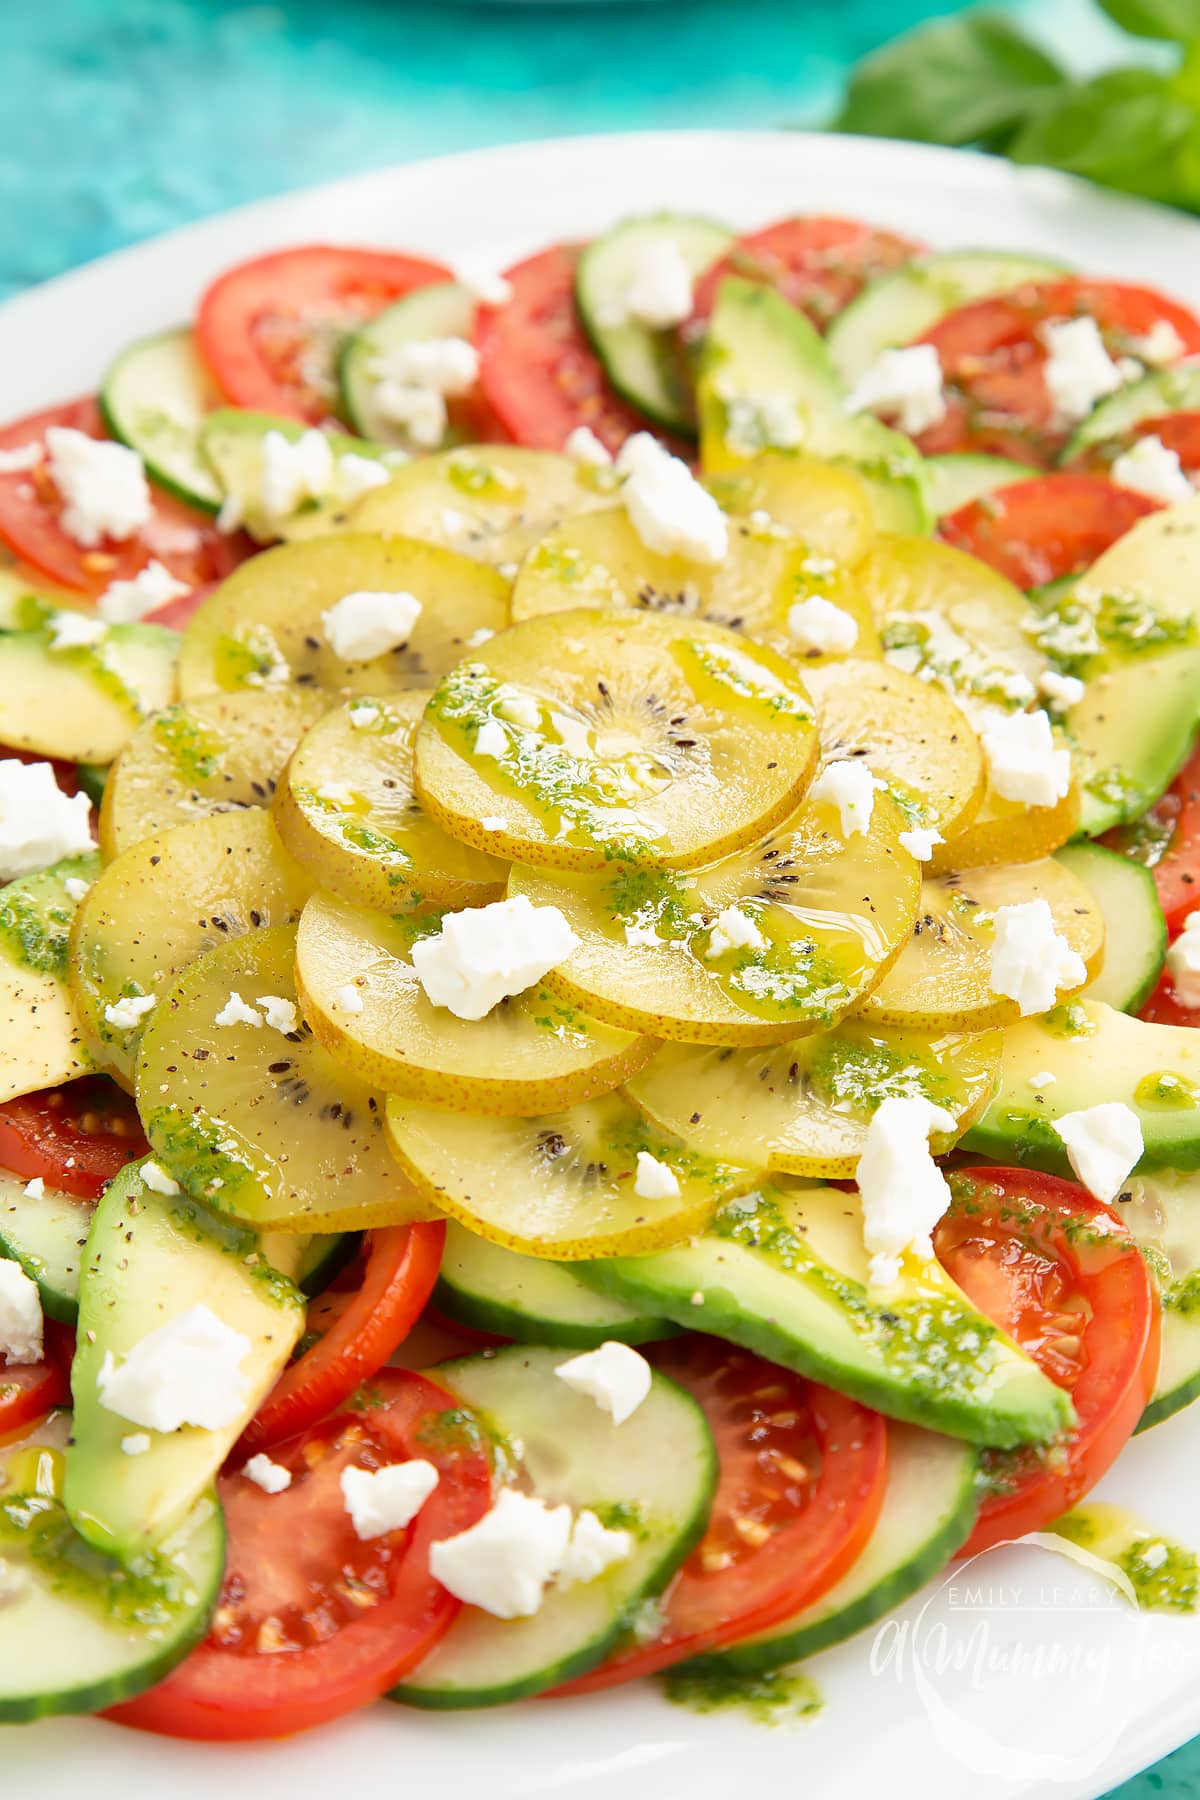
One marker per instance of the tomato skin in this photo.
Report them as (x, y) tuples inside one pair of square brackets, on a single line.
[(76, 1137), (28, 1391), (293, 1556), (1058, 1270), (769, 1424), (260, 320), (364, 1329), (1036, 531), (1177, 871), (1162, 1008), (818, 263), (185, 541)]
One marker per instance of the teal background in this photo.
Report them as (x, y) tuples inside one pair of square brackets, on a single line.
[(121, 118)]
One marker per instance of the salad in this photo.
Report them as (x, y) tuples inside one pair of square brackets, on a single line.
[(598, 962)]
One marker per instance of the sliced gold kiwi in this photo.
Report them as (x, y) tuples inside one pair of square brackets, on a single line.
[(219, 753), (263, 627), (346, 809), (599, 560), (260, 1122), (562, 1185), (1005, 831), (166, 901), (909, 732), (942, 978), (831, 914), (531, 1053), (803, 1107), (616, 734), (492, 502), (826, 504)]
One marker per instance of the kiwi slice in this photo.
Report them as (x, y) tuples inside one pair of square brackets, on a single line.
[(600, 561), (562, 1185), (171, 898), (804, 1107), (942, 978), (1005, 831), (911, 734), (826, 504), (830, 914), (532, 1052), (491, 503), (616, 734), (220, 753), (346, 809), (263, 627), (259, 1121)]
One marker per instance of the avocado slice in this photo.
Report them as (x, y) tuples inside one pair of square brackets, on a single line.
[(231, 441), (40, 1040), (83, 705)]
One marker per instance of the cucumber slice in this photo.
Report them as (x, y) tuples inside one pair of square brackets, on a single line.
[(525, 1297), (47, 1236), (902, 306), (784, 1273), (1163, 1213), (659, 1468), (928, 1510), (83, 705), (958, 479), (154, 397), (1135, 932), (232, 442), (1094, 1054), (647, 368), (762, 359), (78, 1632), (442, 310), (40, 1039), (1164, 391)]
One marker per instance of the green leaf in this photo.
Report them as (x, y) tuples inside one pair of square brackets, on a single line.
[(1126, 129), (970, 79), (1176, 20)]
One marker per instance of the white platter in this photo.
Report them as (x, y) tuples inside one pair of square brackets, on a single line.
[(1113, 1691)]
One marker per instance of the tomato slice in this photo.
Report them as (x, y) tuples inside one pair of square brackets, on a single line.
[(270, 329), (1036, 531), (312, 1622), (183, 540), (76, 1137), (993, 359), (803, 1471), (28, 1391), (1162, 1008), (539, 374), (1060, 1273), (1167, 839), (818, 263), (355, 1332)]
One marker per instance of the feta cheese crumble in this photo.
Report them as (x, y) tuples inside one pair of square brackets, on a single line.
[(127, 1013), (1041, 1081), (103, 487), (236, 1012), (655, 1180), (491, 739), (904, 1193), (1160, 345), (733, 930), (1032, 963), (667, 507), (421, 412), (20, 1315), (357, 475), (921, 841), (75, 631), (504, 1563), (486, 953), (1078, 370), (1149, 468), (21, 459), (363, 717), (125, 602), (270, 1476), (851, 787), (347, 999), (39, 824), (615, 1376), (642, 937), (35, 1189), (905, 382), (415, 379), (280, 1014), (155, 1177), (592, 1550), (1062, 691), (485, 284), (363, 625), (1183, 963), (585, 447), (294, 470), (136, 1443), (383, 1500), (817, 624), (1023, 761), (185, 1372), (76, 889), (659, 291), (1104, 1145)]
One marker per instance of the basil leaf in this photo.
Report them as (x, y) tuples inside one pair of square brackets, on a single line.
[(1125, 129), (1176, 20)]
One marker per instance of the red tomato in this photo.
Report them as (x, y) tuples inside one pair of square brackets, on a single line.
[(76, 1137), (185, 541), (817, 263), (1167, 838), (538, 372), (312, 1621), (1036, 531), (28, 1391), (993, 358), (1162, 1008), (1061, 1274), (1178, 431), (357, 1332), (269, 329), (803, 1472)]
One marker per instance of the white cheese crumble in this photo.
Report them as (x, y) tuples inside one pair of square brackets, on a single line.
[(585, 447), (294, 470), (347, 998), (480, 635), (280, 1014), (486, 953), (659, 291), (363, 717), (125, 602), (921, 841), (20, 459), (270, 1476), (364, 624), (236, 1012), (491, 739), (1062, 691), (1078, 370), (1032, 963), (1160, 345), (733, 930), (642, 937), (383, 1500), (851, 787), (20, 1315), (75, 631), (505, 1561), (1023, 761), (76, 888), (421, 412), (519, 708), (127, 1013), (615, 1376), (39, 824), (485, 284), (136, 1443), (655, 1180), (1183, 963), (357, 475), (817, 624), (1149, 468), (905, 382), (416, 377), (155, 1177), (1104, 1145), (592, 1550), (103, 487), (35, 1189), (1042, 1080), (904, 1193), (185, 1372), (667, 507)]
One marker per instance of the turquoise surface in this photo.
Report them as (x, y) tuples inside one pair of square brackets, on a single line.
[(121, 118)]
